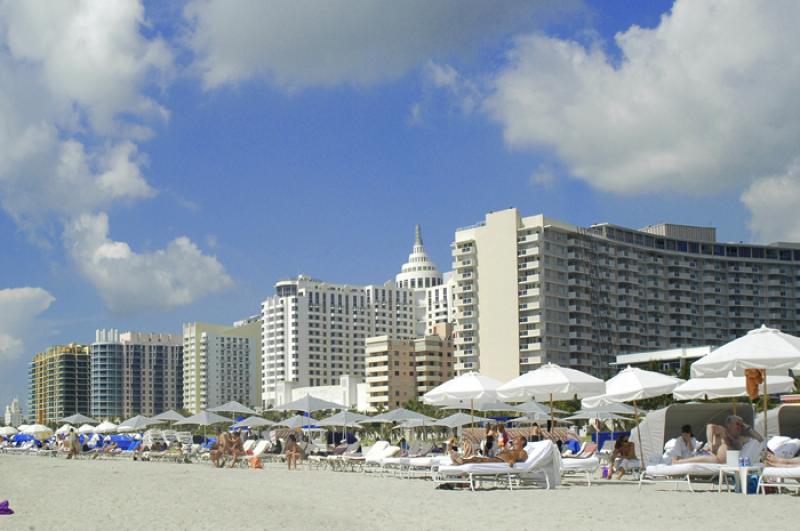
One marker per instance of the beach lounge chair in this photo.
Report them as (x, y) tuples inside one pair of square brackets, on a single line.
[(680, 473), (586, 463), (779, 477), (373, 454), (402, 465), (543, 463)]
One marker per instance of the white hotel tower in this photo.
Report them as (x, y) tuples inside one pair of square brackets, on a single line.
[(313, 332)]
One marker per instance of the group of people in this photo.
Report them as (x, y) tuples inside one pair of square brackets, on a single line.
[(228, 443)]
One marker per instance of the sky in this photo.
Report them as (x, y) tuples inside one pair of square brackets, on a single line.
[(168, 162)]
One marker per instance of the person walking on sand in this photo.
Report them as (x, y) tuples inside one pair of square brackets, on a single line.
[(293, 452), (73, 444)]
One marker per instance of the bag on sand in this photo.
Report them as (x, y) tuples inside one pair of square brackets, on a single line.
[(255, 462)]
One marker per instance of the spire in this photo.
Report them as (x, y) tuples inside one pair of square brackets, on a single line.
[(418, 235)]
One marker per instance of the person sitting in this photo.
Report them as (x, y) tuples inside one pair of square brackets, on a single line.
[(733, 436), (403, 447), (573, 445), (503, 437), (488, 448), (686, 445), (623, 449), (218, 450), (292, 452), (513, 453)]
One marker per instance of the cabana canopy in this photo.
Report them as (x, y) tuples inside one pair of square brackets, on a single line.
[(782, 420)]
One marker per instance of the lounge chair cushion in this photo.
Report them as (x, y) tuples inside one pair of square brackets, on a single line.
[(683, 469), (390, 451), (537, 453), (784, 446), (792, 472), (588, 463)]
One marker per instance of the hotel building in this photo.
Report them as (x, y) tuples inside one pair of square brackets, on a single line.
[(13, 415), (534, 290), (136, 373), (59, 383), (221, 363), (313, 332), (399, 370)]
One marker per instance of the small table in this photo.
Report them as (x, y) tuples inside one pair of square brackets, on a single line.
[(732, 470)]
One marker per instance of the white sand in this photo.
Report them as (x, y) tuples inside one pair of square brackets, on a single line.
[(55, 493)]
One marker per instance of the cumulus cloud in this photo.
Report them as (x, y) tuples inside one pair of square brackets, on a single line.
[(772, 202), (305, 43), (706, 100), (19, 308), (543, 177), (130, 282)]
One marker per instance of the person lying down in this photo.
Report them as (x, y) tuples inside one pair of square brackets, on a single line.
[(732, 436), (514, 454)]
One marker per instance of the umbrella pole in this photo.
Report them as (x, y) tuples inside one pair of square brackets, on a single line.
[(766, 404), (552, 417), (639, 435)]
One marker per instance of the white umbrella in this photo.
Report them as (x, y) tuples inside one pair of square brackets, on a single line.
[(297, 421), (599, 414), (22, 427), (136, 423), (77, 418), (535, 407), (64, 429), (253, 422), (204, 418), (762, 348), (308, 404), (730, 386), (232, 407), (458, 420), (399, 415), (551, 382), (470, 386), (86, 429), (344, 419), (8, 431), (495, 406), (634, 384), (105, 427), (39, 431), (168, 416)]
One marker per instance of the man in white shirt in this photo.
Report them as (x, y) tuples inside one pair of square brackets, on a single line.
[(685, 445)]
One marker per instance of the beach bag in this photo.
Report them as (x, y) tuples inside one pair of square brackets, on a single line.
[(255, 462)]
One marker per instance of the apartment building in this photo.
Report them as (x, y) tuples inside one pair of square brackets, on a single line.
[(399, 370), (534, 290), (313, 332), (135, 373), (221, 363), (59, 383), (13, 414)]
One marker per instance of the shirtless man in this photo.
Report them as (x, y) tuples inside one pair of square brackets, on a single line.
[(733, 436), (515, 454), (219, 450)]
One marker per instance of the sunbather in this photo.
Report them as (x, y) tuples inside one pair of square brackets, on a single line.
[(513, 453), (236, 448), (774, 460), (623, 449), (733, 436)]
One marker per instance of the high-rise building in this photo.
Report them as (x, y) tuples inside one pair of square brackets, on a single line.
[(313, 332), (13, 416), (439, 304), (59, 383), (221, 363), (534, 290), (421, 275), (136, 373), (399, 370)]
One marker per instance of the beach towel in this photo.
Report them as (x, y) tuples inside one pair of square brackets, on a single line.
[(255, 462)]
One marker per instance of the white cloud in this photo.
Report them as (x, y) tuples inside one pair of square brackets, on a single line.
[(543, 177), (706, 100), (302, 43), (19, 308), (130, 282), (772, 202), (463, 91)]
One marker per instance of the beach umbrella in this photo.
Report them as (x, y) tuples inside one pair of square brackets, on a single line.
[(496, 405), (298, 421), (308, 404), (168, 416), (399, 415), (204, 418), (471, 386), (136, 423), (86, 429), (232, 407), (762, 348), (64, 429), (634, 384), (77, 418), (595, 414), (458, 420), (22, 427), (533, 407), (38, 431), (551, 382), (8, 431), (727, 387), (253, 422), (105, 427)]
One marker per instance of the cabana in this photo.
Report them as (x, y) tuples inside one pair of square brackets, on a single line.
[(782, 420)]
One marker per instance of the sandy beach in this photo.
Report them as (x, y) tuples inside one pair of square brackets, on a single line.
[(56, 493)]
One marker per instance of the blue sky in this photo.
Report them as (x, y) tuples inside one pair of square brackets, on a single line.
[(320, 157)]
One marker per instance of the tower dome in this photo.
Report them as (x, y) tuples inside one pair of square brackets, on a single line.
[(419, 272)]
